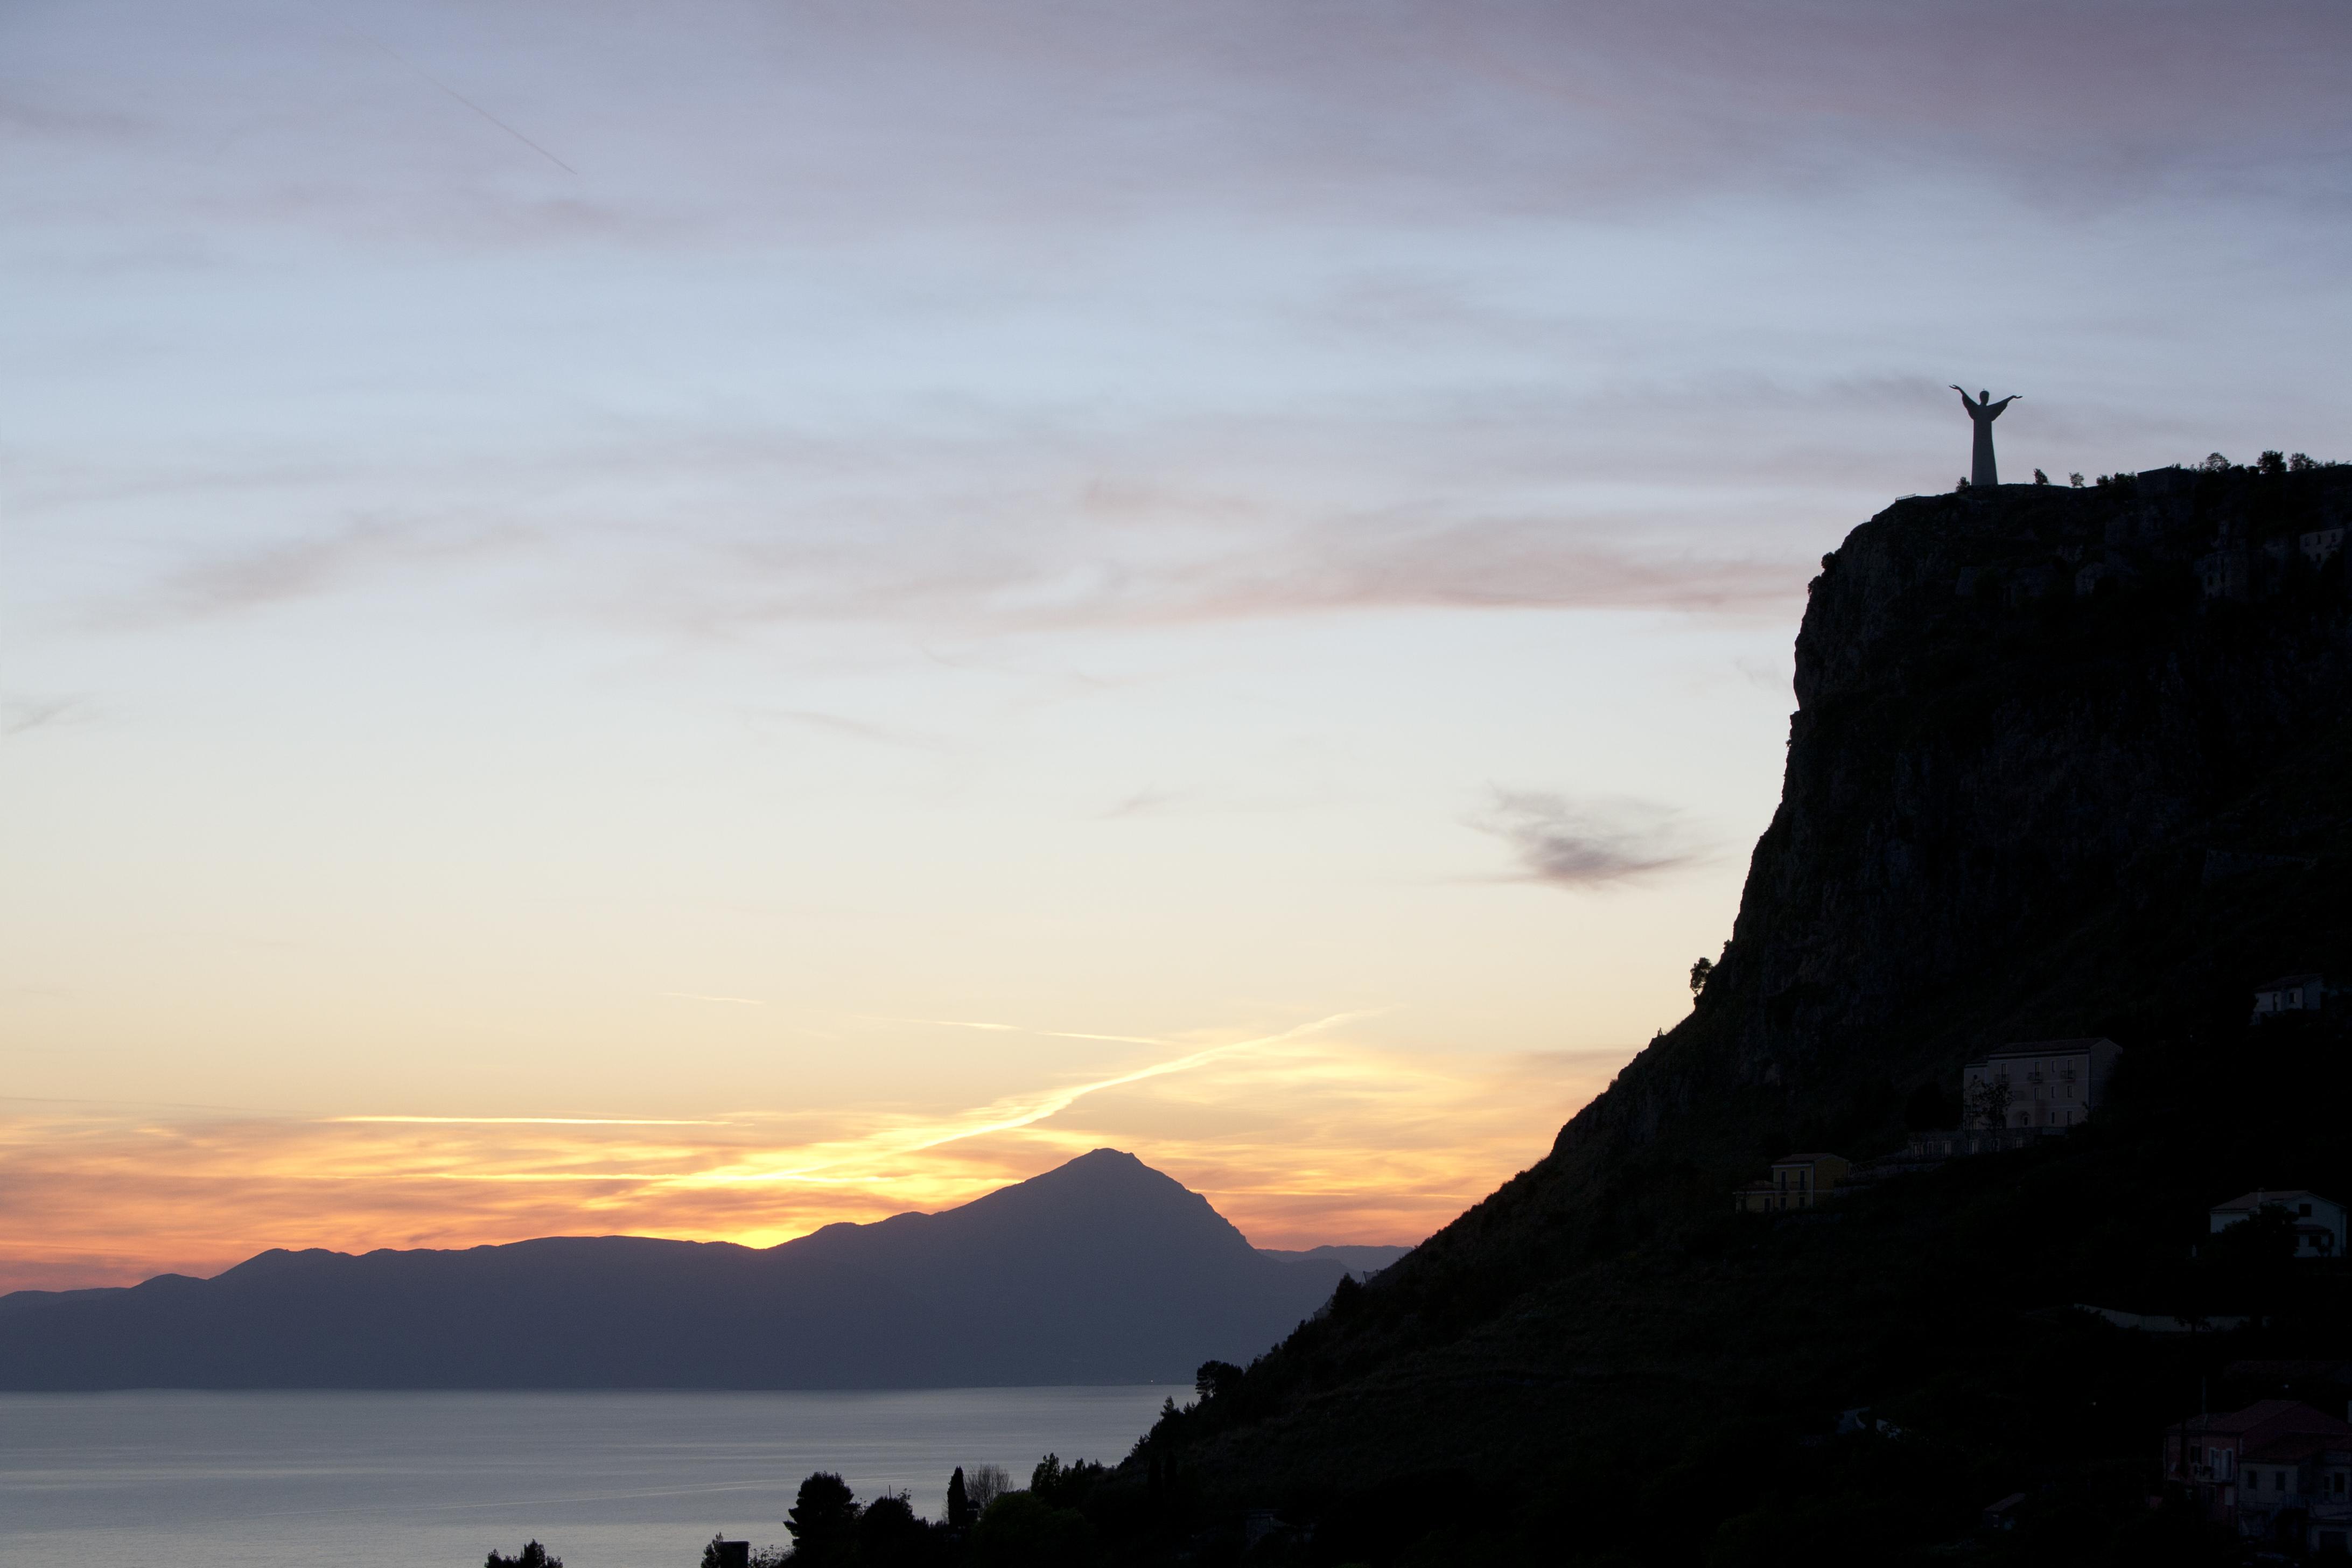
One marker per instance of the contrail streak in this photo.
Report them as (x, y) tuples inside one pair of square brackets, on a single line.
[(884, 1145), (542, 1121), (1022, 1029), (476, 108)]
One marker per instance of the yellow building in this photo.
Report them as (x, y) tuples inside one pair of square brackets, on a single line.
[(1798, 1182)]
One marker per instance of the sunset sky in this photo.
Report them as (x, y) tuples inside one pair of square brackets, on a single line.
[(703, 618)]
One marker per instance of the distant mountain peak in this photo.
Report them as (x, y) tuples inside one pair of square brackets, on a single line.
[(1099, 1270)]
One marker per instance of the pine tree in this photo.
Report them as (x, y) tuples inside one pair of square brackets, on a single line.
[(821, 1517)]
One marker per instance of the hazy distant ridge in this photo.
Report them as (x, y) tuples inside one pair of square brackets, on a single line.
[(1102, 1270), (1355, 1259)]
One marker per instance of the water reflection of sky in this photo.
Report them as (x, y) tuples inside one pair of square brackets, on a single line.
[(393, 1480)]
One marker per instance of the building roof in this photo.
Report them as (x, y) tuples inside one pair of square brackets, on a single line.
[(2294, 1448), (2268, 1418), (2330, 1369), (2260, 1199), (2046, 1048)]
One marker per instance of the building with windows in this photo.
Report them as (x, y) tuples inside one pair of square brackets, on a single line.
[(2289, 995), (1798, 1182), (2319, 1229), (2277, 1470), (2043, 1086)]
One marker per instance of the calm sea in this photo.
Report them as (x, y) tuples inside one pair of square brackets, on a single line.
[(435, 1480)]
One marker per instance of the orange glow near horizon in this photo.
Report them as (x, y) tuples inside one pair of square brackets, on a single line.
[(1302, 1138)]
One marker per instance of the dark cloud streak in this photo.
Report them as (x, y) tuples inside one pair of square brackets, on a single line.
[(1583, 844)]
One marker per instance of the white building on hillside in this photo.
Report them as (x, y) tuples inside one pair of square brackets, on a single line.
[(2046, 1086), (2319, 1230), (2290, 995)]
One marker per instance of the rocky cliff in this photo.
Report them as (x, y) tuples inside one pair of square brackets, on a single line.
[(2022, 717), (2065, 761)]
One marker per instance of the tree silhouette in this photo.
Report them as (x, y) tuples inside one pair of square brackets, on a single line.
[(889, 1533), (1216, 1377), (821, 1517), (2264, 1241), (1064, 1485), (1019, 1531), (1699, 974), (988, 1483), (1987, 1102), (532, 1555), (961, 1513)]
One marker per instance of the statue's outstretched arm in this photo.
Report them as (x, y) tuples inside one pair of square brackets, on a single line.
[(1966, 401)]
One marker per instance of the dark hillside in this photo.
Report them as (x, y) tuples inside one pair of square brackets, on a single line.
[(2012, 810)]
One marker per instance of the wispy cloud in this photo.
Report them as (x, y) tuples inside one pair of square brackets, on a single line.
[(847, 728), (533, 1120), (1586, 843), (1025, 1030), (217, 581), (1008, 1115), (22, 716)]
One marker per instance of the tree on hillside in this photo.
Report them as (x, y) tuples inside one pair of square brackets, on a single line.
[(821, 1517), (988, 1483), (532, 1555), (1019, 1531), (1216, 1377), (961, 1513), (1989, 1103), (889, 1533), (2264, 1242), (1063, 1485), (1699, 974)]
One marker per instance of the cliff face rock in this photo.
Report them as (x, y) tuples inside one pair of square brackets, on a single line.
[(2020, 711), (2065, 761)]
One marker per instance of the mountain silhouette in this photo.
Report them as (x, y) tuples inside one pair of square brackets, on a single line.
[(1102, 1270)]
